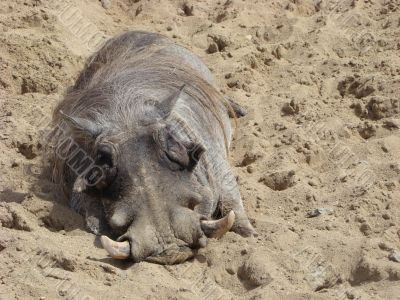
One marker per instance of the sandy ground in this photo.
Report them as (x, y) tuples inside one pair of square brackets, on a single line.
[(317, 157)]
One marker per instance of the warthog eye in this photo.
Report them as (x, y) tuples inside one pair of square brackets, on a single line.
[(105, 159), (180, 155)]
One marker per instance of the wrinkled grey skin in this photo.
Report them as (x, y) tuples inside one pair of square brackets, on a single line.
[(162, 151)]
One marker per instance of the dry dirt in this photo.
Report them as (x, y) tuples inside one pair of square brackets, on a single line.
[(317, 157)]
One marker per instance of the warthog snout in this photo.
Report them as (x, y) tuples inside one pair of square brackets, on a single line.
[(211, 228)]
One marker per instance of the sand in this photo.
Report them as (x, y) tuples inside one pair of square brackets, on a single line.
[(317, 157)]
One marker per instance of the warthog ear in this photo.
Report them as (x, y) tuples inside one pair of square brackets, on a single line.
[(168, 104), (84, 125)]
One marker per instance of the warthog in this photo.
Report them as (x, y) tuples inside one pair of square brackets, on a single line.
[(145, 142)]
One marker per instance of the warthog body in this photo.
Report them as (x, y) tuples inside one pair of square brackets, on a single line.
[(146, 155)]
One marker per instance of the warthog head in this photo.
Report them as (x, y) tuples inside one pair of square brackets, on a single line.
[(151, 198)]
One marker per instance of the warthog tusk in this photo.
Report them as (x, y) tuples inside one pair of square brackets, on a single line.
[(217, 228), (118, 250)]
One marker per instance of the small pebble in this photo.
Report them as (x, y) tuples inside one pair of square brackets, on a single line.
[(392, 124), (365, 229), (138, 10), (106, 4), (394, 256), (312, 182), (279, 52), (230, 270), (212, 48), (319, 211), (384, 246), (187, 9)]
